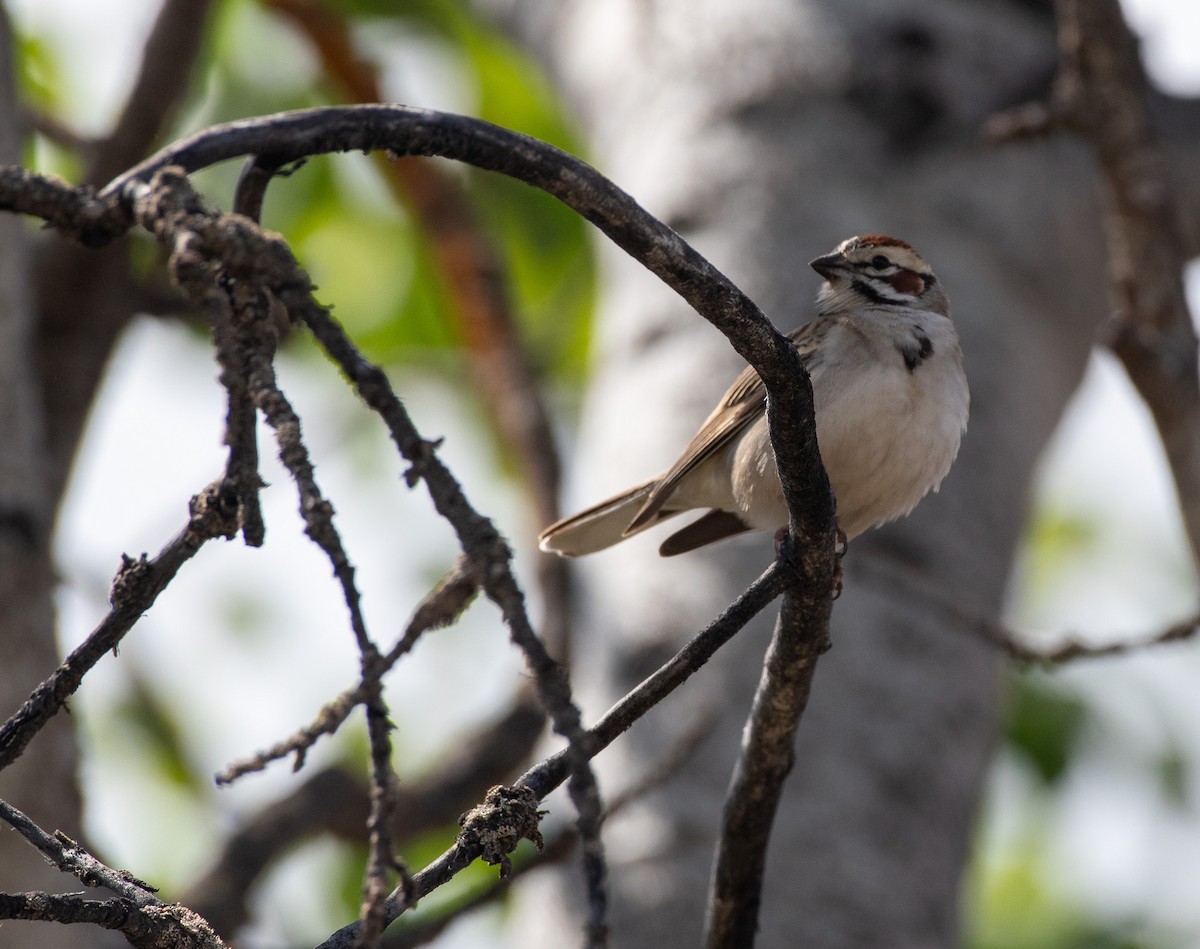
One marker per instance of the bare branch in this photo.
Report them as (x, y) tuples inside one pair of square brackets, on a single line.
[(171, 51), (241, 310), (67, 855), (1069, 647), (440, 608), (1101, 95), (143, 918), (558, 846), (135, 588), (167, 208), (403, 130), (768, 750), (333, 801), (553, 771), (1072, 648), (549, 774), (480, 305), (147, 927), (73, 211)]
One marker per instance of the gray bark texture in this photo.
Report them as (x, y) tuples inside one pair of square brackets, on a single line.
[(44, 782), (62, 308), (766, 131)]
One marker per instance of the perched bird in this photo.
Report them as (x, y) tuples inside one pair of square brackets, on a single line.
[(891, 407)]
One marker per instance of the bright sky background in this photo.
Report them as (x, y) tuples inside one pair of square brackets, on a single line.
[(143, 456)]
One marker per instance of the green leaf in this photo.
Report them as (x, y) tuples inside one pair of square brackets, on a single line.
[(1044, 724), (153, 719), (1174, 775)]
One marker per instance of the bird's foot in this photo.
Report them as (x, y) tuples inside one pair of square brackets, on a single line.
[(840, 543)]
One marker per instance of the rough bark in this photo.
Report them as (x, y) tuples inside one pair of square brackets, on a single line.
[(44, 784), (766, 132), (62, 308)]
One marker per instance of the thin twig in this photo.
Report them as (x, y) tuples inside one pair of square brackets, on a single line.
[(68, 856), (480, 304), (244, 325), (441, 607), (139, 914), (559, 844), (1067, 647), (550, 773), (554, 770), (135, 588), (332, 801)]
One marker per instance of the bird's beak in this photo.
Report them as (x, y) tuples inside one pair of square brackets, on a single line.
[(828, 265)]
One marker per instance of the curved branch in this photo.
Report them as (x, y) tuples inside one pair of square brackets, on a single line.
[(171, 50), (405, 131)]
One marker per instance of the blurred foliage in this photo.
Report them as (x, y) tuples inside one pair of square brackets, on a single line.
[(367, 255), (1021, 908), (1174, 776), (1044, 724), (372, 264), (39, 79), (151, 720), (1056, 537)]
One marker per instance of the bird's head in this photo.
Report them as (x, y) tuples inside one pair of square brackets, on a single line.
[(877, 271)]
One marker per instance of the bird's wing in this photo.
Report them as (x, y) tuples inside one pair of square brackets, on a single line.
[(713, 526), (741, 405)]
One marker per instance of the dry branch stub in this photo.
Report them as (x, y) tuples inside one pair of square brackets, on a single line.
[(507, 816)]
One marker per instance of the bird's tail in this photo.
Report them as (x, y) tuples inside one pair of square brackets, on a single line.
[(599, 526)]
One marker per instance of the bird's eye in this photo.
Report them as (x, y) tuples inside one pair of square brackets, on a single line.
[(879, 262)]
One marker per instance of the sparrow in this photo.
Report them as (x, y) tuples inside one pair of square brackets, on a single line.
[(890, 399)]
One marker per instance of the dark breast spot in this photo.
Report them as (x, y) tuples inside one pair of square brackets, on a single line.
[(916, 348)]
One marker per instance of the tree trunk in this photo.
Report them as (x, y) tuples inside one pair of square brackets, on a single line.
[(766, 132), (43, 783)]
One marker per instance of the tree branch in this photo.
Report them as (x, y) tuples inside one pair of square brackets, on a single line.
[(768, 752), (171, 50), (147, 927), (1069, 647), (135, 588), (469, 264), (170, 209), (554, 770), (333, 801), (166, 207), (1100, 94), (141, 916)]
